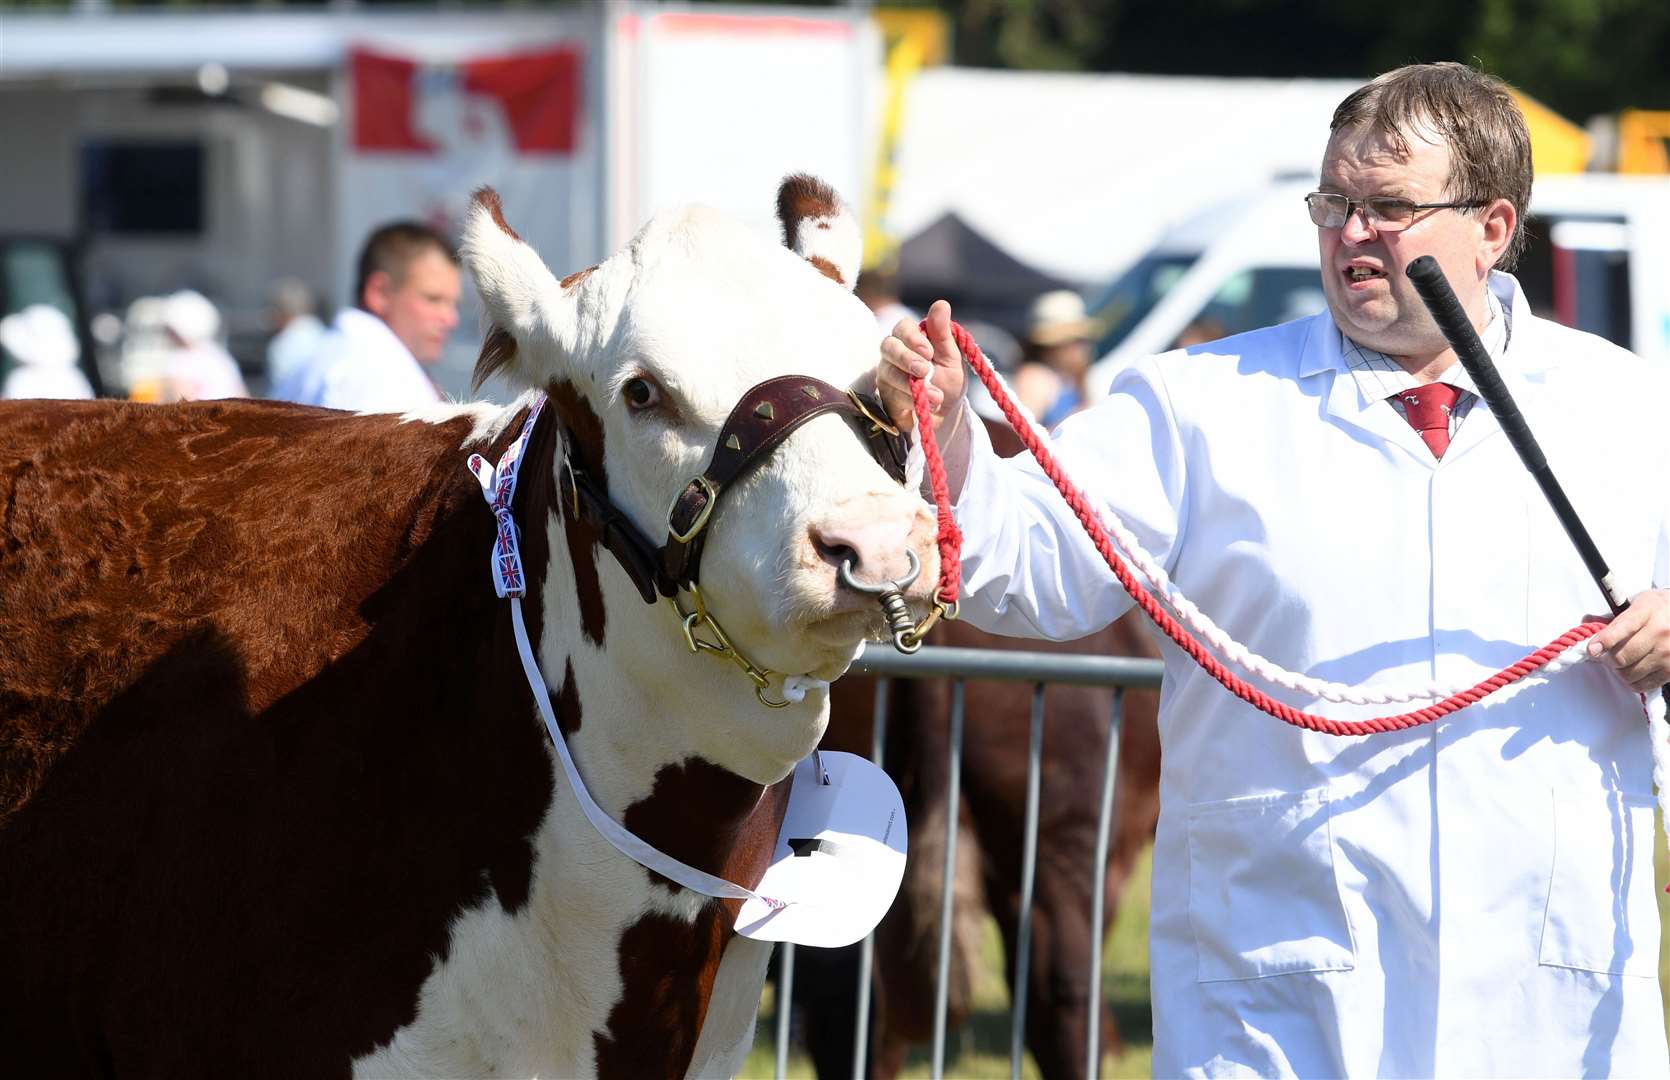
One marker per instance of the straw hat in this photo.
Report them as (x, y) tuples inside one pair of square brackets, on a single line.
[(1056, 318)]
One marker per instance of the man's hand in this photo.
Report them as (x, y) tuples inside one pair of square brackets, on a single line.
[(1637, 643), (933, 356)]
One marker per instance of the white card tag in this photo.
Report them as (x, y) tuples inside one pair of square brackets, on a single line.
[(839, 859)]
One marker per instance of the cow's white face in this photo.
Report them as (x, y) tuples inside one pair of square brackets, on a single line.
[(660, 342)]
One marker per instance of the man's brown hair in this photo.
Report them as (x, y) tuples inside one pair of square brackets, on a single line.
[(391, 249), (1490, 148)]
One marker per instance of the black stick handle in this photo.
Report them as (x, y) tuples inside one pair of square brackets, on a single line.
[(1441, 301)]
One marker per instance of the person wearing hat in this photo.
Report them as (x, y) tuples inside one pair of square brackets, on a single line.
[(198, 368), (1050, 380), (42, 342)]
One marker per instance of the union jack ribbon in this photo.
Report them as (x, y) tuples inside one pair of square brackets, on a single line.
[(498, 485)]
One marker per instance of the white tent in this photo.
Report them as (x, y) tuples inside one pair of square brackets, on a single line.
[(1078, 174)]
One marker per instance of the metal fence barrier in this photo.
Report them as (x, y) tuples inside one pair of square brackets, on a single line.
[(961, 665)]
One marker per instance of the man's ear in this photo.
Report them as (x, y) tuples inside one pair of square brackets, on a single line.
[(1499, 220), (376, 296)]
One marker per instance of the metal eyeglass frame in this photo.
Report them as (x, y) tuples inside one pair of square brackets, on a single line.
[(1373, 208)]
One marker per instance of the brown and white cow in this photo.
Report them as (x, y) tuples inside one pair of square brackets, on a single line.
[(274, 796)]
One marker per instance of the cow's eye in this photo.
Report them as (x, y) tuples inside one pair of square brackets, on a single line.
[(640, 394)]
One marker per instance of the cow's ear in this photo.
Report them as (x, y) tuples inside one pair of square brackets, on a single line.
[(531, 317), (820, 228)]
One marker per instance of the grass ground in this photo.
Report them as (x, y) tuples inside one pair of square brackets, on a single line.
[(981, 1050)]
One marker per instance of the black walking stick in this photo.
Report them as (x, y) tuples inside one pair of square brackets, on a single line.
[(1458, 331), (1440, 300)]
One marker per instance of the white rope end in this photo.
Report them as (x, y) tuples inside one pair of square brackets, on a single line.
[(796, 687), (1658, 729)]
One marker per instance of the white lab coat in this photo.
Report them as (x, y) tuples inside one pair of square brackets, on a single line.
[(360, 366), (1472, 897)]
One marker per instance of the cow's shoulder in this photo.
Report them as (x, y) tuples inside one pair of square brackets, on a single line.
[(253, 542), (263, 735)]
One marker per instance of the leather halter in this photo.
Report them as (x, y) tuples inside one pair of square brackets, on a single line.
[(765, 416)]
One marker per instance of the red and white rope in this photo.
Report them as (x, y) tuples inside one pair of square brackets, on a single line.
[(1564, 651)]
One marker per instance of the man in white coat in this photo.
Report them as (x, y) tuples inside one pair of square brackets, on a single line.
[(373, 358), (1471, 897)]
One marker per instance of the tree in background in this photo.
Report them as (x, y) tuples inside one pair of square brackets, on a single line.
[(1580, 57)]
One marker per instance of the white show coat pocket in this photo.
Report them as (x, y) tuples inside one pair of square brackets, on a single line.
[(1602, 914), (1263, 896)]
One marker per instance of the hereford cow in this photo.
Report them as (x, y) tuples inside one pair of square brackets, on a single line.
[(275, 799)]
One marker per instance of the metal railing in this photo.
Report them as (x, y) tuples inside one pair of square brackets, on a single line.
[(962, 665)]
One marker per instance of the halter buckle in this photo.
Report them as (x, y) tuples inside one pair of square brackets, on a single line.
[(863, 403), (705, 488)]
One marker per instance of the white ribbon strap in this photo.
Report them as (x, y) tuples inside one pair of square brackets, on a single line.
[(611, 830), (499, 486)]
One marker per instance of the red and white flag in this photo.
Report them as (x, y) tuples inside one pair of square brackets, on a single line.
[(422, 136)]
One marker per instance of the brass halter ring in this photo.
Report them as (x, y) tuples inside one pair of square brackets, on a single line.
[(941, 610)]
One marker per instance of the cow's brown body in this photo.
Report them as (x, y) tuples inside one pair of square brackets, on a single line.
[(275, 795), (243, 683), (263, 735)]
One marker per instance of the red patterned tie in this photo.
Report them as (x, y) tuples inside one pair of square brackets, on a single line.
[(1427, 408)]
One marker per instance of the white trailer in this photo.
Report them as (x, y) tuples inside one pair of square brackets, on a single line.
[(222, 151)]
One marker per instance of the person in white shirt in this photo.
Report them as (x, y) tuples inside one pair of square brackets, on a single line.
[(1469, 897), (374, 356), (878, 287), (197, 366), (297, 331), (43, 345)]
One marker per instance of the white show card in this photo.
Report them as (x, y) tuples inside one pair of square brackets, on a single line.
[(839, 859)]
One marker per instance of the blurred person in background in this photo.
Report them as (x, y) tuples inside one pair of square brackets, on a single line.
[(1055, 357), (1004, 351), (373, 358), (45, 353), (1200, 331), (1472, 897), (878, 287), (297, 331), (145, 348), (198, 367)]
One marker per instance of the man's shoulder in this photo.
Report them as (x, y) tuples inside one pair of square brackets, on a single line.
[(1567, 345), (1581, 361)]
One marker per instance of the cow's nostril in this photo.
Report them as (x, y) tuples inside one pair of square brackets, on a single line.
[(867, 545), (834, 554)]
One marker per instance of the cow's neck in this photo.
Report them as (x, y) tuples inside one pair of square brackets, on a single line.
[(652, 728), (660, 735)]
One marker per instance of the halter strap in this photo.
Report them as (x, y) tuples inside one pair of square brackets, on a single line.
[(759, 423)]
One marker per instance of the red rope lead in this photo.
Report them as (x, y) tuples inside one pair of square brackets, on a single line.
[(950, 540), (950, 536)]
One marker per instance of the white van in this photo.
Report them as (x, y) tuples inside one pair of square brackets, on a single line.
[(1597, 260)]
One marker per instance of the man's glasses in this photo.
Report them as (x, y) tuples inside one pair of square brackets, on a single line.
[(1384, 213)]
